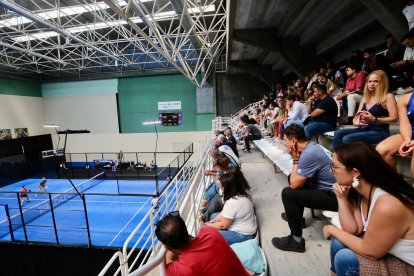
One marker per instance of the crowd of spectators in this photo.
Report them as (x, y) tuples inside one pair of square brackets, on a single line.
[(375, 203), (358, 179)]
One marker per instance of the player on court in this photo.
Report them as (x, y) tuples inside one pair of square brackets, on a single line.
[(42, 185), (24, 195)]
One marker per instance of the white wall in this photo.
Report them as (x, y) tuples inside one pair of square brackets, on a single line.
[(142, 142), (97, 113), (167, 141), (22, 112)]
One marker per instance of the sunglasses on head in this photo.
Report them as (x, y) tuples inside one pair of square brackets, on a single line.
[(174, 214)]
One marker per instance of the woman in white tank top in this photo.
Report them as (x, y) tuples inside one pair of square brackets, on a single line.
[(376, 213)]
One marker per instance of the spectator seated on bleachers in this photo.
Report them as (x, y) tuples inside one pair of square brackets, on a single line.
[(401, 143), (406, 65), (353, 90), (377, 110), (237, 221), (297, 113), (271, 119), (310, 185), (251, 133), (221, 145), (376, 212), (206, 254), (212, 201), (322, 111), (281, 116), (231, 141)]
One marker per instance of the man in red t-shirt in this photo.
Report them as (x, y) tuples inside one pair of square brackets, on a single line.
[(354, 90), (23, 195), (206, 254)]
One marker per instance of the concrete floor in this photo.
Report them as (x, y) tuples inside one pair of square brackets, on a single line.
[(266, 189)]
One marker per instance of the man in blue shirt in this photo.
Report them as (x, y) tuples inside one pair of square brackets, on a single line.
[(310, 185)]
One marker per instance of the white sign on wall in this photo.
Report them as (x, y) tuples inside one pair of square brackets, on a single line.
[(169, 105)]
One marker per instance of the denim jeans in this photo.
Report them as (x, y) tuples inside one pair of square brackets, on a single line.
[(211, 191), (213, 206), (370, 134), (294, 122), (289, 122), (234, 237), (315, 128), (343, 260)]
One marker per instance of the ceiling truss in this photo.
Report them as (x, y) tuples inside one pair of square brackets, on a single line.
[(61, 39)]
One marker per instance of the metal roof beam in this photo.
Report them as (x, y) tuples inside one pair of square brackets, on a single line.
[(12, 6), (134, 26), (29, 52)]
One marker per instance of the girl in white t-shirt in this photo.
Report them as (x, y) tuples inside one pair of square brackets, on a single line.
[(237, 221)]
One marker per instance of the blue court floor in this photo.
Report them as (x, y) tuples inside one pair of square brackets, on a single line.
[(111, 217)]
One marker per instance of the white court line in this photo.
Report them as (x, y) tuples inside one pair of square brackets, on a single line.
[(75, 200), (100, 201), (123, 228)]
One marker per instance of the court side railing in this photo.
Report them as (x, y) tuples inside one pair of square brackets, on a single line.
[(129, 166), (185, 198)]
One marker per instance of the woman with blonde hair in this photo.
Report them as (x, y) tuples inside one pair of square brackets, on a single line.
[(377, 110)]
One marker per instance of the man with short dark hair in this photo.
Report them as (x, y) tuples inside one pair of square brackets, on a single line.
[(407, 63), (251, 133), (297, 113), (310, 185), (353, 90), (322, 111), (206, 254)]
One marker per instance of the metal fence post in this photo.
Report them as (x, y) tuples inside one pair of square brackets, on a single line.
[(86, 220), (22, 217), (53, 218), (6, 209)]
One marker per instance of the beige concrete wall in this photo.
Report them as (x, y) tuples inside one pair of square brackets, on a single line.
[(22, 112), (143, 142)]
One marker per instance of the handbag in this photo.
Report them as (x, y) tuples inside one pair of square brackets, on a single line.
[(358, 121)]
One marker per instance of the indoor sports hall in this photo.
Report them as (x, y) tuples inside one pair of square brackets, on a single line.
[(119, 115)]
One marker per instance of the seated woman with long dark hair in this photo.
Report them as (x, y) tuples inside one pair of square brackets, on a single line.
[(237, 221), (376, 213)]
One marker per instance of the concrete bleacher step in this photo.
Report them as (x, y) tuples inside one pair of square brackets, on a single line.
[(276, 152)]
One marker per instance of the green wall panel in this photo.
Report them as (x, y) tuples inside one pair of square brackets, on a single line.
[(20, 88), (139, 97), (204, 121), (108, 86)]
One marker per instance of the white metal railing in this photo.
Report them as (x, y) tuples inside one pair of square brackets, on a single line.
[(179, 195), (220, 122), (235, 118)]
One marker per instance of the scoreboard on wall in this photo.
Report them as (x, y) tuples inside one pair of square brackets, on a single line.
[(170, 118)]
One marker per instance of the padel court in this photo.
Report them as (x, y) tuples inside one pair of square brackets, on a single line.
[(104, 214)]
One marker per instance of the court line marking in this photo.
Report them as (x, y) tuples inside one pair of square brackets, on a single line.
[(106, 201), (123, 228)]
